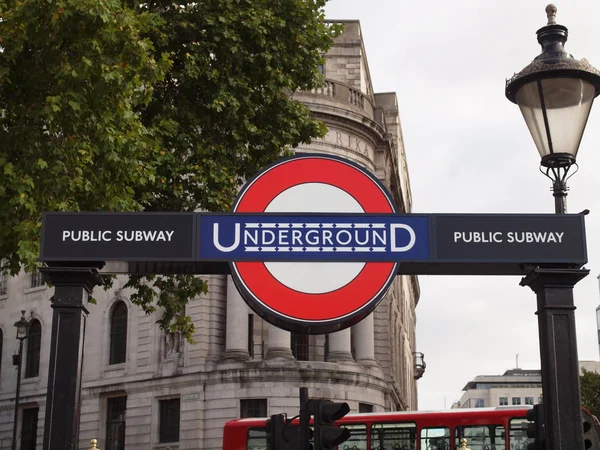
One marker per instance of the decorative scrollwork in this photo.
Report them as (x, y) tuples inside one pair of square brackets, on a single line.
[(565, 64)]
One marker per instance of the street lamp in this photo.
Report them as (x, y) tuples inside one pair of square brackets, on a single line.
[(555, 94), (22, 328)]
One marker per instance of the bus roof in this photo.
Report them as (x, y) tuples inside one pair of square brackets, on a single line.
[(388, 414)]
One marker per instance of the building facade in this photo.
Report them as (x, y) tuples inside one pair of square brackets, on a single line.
[(514, 387), (144, 389)]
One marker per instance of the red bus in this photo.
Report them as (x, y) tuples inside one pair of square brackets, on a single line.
[(501, 428)]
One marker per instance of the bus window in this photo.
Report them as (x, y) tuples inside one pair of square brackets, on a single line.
[(358, 438), (394, 436), (481, 437), (435, 438), (517, 437), (257, 439)]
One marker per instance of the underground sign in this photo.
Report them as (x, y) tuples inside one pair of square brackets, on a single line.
[(314, 297)]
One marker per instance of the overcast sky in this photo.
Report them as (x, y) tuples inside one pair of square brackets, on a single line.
[(469, 151)]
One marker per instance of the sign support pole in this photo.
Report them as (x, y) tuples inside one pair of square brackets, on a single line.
[(304, 435), (63, 398), (558, 352)]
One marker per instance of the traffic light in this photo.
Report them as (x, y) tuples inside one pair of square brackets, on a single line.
[(536, 430), (325, 412), (591, 428), (275, 428)]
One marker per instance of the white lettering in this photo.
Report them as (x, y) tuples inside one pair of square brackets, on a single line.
[(296, 237), (310, 239), (268, 233), (236, 240), (357, 237), (149, 235), (283, 237), (338, 235), (251, 237), (381, 238), (411, 234)]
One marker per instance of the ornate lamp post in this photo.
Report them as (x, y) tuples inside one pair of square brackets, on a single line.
[(22, 328), (555, 94)]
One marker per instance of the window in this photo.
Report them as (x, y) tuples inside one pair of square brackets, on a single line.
[(503, 401), (36, 279), (118, 334), (357, 439), (34, 344), (481, 437), (257, 439), (3, 284), (251, 335), (169, 420), (516, 400), (29, 429), (365, 408), (518, 433), (321, 68), (300, 346), (115, 423), (253, 407), (479, 402), (435, 438), (394, 435), (529, 400), (539, 400)]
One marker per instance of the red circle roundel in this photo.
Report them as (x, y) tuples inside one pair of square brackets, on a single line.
[(313, 297)]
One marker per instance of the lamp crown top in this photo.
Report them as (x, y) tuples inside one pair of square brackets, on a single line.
[(551, 14)]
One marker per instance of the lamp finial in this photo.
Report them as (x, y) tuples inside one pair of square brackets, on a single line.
[(551, 13)]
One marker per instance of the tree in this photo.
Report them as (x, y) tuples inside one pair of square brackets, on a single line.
[(590, 391), (156, 106)]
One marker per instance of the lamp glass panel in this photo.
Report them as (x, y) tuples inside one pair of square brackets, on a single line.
[(568, 102), (22, 329)]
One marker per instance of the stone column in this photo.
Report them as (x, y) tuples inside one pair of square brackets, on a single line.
[(218, 284), (279, 343), (236, 333), (364, 341), (339, 347)]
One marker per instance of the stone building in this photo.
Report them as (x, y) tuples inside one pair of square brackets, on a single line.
[(143, 389), (516, 387)]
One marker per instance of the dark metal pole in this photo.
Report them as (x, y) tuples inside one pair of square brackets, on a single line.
[(14, 438), (304, 420), (559, 190), (558, 354), (63, 398)]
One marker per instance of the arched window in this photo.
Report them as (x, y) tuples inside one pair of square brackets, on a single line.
[(34, 344), (118, 334)]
